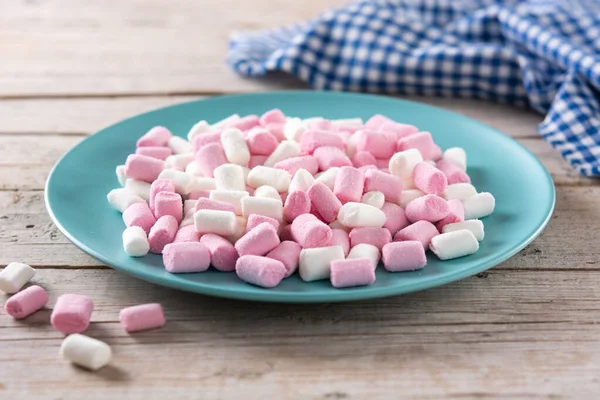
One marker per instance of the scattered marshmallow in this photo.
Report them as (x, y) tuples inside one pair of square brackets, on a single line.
[(14, 276), (85, 351), (454, 244)]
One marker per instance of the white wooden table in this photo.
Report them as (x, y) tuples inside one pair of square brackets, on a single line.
[(528, 328)]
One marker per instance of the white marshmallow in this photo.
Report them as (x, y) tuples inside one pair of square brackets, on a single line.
[(199, 128), (219, 222), (240, 229), (135, 242), (365, 250), (85, 351), (454, 244), (267, 192), (351, 145), (120, 171), (279, 179), (355, 122), (14, 276), (189, 205), (179, 161), (308, 121), (122, 198), (302, 180), (233, 197), (406, 196), (193, 169), (286, 149), (293, 129), (235, 147), (262, 206), (403, 163), (314, 264), (183, 182), (456, 156), (225, 122), (139, 188), (459, 191), (358, 215), (328, 177), (246, 172), (474, 226), (179, 145), (229, 177), (373, 198), (202, 183), (188, 218), (479, 206)]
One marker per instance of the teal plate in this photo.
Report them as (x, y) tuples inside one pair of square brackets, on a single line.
[(77, 186)]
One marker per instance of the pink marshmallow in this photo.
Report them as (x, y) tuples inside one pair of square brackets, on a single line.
[(187, 233), (296, 203), (288, 252), (157, 136), (142, 317), (421, 141), (256, 161), (276, 130), (349, 184), (254, 220), (186, 257), (159, 185), (379, 144), (429, 179), (155, 152), (422, 231), (274, 116), (430, 208), (245, 123), (162, 233), (258, 241), (292, 165), (72, 313), (403, 256), (309, 232), (222, 253), (329, 157), (210, 157), (382, 163), (139, 214), (456, 214), (452, 172), (376, 121), (364, 158), (395, 219), (205, 139), (398, 130), (365, 168), (260, 271), (339, 237), (198, 194), (324, 201), (143, 168), (260, 142), (389, 185), (167, 203), (352, 272), (313, 139), (210, 204), (26, 302), (377, 237), (321, 124)]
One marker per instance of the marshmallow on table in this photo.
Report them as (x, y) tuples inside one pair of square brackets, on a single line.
[(258, 241), (328, 177), (260, 142), (324, 201), (139, 214), (121, 199), (364, 250), (479, 206), (363, 159), (121, 177), (229, 177), (14, 276), (233, 197), (72, 313), (142, 317), (339, 237), (454, 244), (215, 221), (453, 173), (456, 156), (162, 233), (135, 242), (210, 157), (312, 139), (430, 208), (158, 152), (235, 147), (277, 178), (429, 179), (374, 198), (296, 203), (187, 233), (26, 302), (308, 231), (379, 144), (329, 156), (409, 195), (377, 237), (143, 168), (159, 185), (314, 264), (286, 149), (157, 136), (262, 206), (85, 351), (268, 192), (186, 257), (403, 163), (182, 181), (459, 191), (456, 214), (352, 272), (199, 128), (166, 203), (140, 188), (260, 271), (293, 129), (274, 116), (210, 204), (254, 220), (179, 145), (474, 226), (348, 185), (423, 142), (223, 254), (388, 184), (357, 215), (403, 256), (292, 165), (395, 219), (422, 231)]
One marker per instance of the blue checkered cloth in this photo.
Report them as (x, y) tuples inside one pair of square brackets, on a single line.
[(540, 54)]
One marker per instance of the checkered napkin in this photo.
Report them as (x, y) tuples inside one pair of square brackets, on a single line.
[(541, 54)]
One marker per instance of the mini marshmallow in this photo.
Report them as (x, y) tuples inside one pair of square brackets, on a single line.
[(143, 168), (379, 144), (459, 191), (312, 139), (403, 256), (324, 201), (296, 203), (183, 182), (233, 197), (365, 250), (347, 122), (199, 128), (121, 177), (14, 276), (314, 264), (142, 317), (397, 129), (254, 220), (260, 271), (352, 272), (454, 244), (208, 204), (85, 351), (157, 136), (373, 198), (210, 157), (267, 192), (262, 206), (235, 147), (245, 123), (302, 180), (260, 142), (357, 215), (121, 199), (474, 226), (288, 252), (430, 208), (277, 178), (329, 157), (456, 156), (189, 205), (403, 163), (166, 203), (308, 231), (349, 184), (135, 242), (26, 302), (376, 121), (240, 231), (179, 145), (456, 214), (223, 254), (201, 184), (453, 173), (421, 141), (293, 129), (186, 257), (395, 219), (363, 159), (160, 153), (339, 237), (429, 179), (139, 188), (225, 122), (139, 214), (292, 165), (187, 233), (389, 185), (206, 139), (479, 206), (328, 177), (188, 219), (422, 231), (72, 313), (409, 195), (286, 149), (215, 221), (377, 237), (351, 147), (159, 185), (258, 241), (162, 233), (274, 116), (229, 177)]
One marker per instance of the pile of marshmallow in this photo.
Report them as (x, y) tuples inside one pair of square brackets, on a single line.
[(267, 195)]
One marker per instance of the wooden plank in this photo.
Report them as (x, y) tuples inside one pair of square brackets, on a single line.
[(28, 235), (539, 340)]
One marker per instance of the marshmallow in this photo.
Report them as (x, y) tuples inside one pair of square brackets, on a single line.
[(229, 177), (159, 185), (160, 153), (186, 257), (453, 173), (167, 203), (293, 129), (373, 198), (275, 130), (260, 271), (189, 205), (296, 203), (188, 219), (208, 204), (187, 233), (254, 220), (479, 206), (423, 231), (351, 147), (201, 184), (456, 156), (157, 136), (459, 191), (403, 256), (258, 241), (183, 182), (403, 163), (260, 142), (210, 157), (454, 244), (245, 123), (121, 199), (225, 122), (235, 147), (85, 351), (292, 165), (274, 116), (365, 250), (72, 313), (215, 221), (328, 177), (376, 121), (377, 237), (14, 276), (347, 122), (474, 226), (456, 214), (313, 139), (379, 144), (398, 130), (26, 302), (339, 237), (429, 179), (199, 128), (206, 139), (389, 185), (121, 177), (310, 232), (191, 167), (314, 264), (139, 214), (357, 215), (363, 159), (302, 180), (223, 254), (430, 208), (277, 178), (267, 192), (421, 141), (324, 201), (233, 197), (349, 184), (329, 156), (139, 188), (262, 206), (162, 233), (395, 219), (409, 195), (288, 252), (286, 149), (143, 168), (179, 145), (352, 272), (135, 242), (142, 317)]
